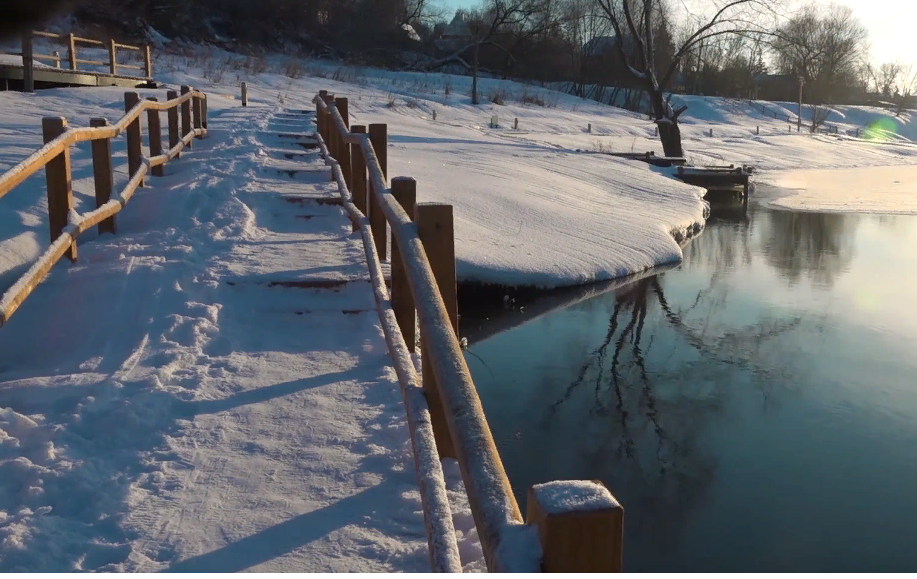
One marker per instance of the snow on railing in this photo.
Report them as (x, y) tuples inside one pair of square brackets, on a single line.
[(66, 224), (456, 418)]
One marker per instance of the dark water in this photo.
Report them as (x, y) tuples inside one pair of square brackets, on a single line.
[(754, 409)]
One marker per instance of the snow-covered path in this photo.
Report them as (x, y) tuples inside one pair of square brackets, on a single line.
[(209, 389)]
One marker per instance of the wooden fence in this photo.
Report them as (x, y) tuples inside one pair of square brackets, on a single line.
[(187, 119), (71, 42), (584, 534)]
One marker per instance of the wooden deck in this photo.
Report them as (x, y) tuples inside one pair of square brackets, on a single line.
[(11, 77)]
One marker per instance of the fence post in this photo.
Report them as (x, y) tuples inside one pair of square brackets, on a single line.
[(344, 148), (102, 173), (435, 230), (244, 94), (134, 149), (56, 56), (589, 128), (57, 175), (173, 120), (112, 57), (516, 124), (318, 113), (404, 189), (204, 112), (584, 538), (28, 63), (71, 51), (198, 115), (155, 131), (758, 130), (358, 171), (185, 114), (148, 61), (378, 135)]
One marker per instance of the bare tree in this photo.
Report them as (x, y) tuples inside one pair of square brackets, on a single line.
[(633, 23), (826, 46), (906, 86), (887, 79)]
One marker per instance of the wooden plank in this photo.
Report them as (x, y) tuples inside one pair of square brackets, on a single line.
[(198, 115), (60, 190), (185, 114), (343, 147), (404, 189), (358, 173), (102, 173), (28, 64), (155, 136), (71, 50), (134, 147), (378, 136), (584, 539), (88, 41), (173, 120), (435, 229), (90, 62), (112, 57)]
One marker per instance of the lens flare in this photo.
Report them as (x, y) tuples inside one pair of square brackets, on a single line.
[(881, 129)]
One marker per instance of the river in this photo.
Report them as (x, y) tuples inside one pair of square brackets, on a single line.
[(753, 409)]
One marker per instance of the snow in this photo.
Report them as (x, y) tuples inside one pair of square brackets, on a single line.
[(569, 496), (165, 403)]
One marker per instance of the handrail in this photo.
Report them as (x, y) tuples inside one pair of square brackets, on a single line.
[(37, 160), (493, 505), (444, 555), (13, 297)]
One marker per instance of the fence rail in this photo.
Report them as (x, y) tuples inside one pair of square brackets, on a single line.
[(423, 285), (54, 157), (71, 41)]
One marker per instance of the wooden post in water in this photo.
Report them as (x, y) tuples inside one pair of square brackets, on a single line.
[(57, 175), (404, 190), (185, 114), (378, 135), (71, 52), (173, 121), (155, 134), (102, 174), (358, 172), (112, 57), (343, 147), (28, 63), (244, 94), (134, 148), (585, 538), (435, 230)]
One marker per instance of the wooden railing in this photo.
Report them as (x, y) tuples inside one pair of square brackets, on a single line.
[(582, 534), (54, 157), (71, 41)]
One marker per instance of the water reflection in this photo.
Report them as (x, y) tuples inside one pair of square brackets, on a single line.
[(673, 390)]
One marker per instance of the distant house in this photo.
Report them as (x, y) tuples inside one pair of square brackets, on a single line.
[(456, 34)]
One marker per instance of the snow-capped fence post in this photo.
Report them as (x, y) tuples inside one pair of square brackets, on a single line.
[(71, 50), (589, 128), (358, 171), (435, 230), (28, 63), (57, 175), (244, 94), (858, 133), (434, 114), (155, 135), (516, 124), (344, 149), (198, 115), (404, 189), (185, 114), (102, 175), (378, 136), (758, 130), (134, 149), (173, 120), (112, 57), (711, 131), (147, 61), (580, 526)]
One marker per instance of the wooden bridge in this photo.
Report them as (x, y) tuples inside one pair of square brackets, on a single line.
[(32, 73)]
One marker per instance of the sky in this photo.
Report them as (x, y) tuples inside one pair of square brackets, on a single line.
[(890, 24)]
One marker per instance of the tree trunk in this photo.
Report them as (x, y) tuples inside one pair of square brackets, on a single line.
[(474, 76), (669, 133)]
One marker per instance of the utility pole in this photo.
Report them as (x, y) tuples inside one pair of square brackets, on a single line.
[(799, 114)]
